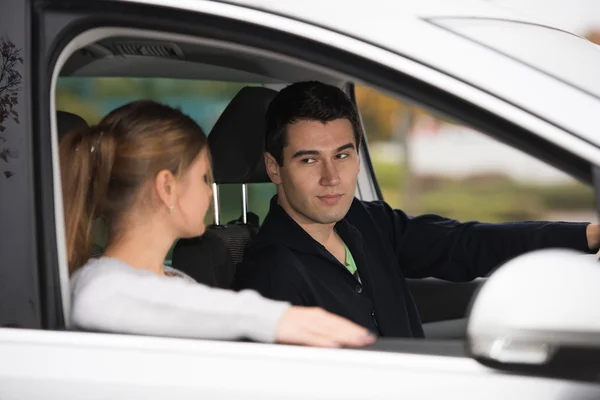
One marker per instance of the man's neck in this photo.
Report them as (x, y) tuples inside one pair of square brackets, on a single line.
[(322, 233)]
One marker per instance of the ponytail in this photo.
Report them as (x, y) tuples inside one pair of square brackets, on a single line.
[(86, 161)]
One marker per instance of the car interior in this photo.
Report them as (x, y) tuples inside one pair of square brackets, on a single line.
[(236, 144)]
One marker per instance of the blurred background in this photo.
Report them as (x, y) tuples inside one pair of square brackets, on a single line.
[(423, 162)]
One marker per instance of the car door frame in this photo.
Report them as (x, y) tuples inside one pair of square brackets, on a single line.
[(233, 23), (20, 250)]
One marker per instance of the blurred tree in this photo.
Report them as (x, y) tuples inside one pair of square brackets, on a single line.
[(388, 119), (10, 86), (379, 113), (71, 102), (382, 114), (157, 88), (593, 36)]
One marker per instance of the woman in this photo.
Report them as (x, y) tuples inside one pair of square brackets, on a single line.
[(146, 169)]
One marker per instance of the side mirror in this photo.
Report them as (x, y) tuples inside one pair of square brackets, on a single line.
[(540, 314)]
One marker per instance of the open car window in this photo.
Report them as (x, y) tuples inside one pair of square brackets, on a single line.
[(426, 163), (203, 100)]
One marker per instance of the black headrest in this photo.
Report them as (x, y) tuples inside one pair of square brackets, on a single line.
[(67, 121), (237, 141)]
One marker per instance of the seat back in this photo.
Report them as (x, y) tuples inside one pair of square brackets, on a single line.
[(67, 121), (236, 143), (206, 259)]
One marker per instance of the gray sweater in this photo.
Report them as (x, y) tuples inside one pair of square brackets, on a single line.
[(109, 295)]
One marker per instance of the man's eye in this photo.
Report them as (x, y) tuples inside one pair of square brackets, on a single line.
[(308, 160), (342, 156)]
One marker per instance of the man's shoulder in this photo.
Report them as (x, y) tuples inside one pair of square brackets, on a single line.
[(376, 209), (268, 255)]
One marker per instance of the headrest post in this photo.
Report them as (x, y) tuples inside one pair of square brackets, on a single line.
[(216, 204), (244, 203)]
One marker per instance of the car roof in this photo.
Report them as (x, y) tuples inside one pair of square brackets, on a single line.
[(376, 16), (466, 40), (554, 63)]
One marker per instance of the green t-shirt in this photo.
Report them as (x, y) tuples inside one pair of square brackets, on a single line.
[(350, 264)]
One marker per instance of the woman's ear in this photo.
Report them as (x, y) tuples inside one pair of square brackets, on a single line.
[(272, 167), (165, 185)]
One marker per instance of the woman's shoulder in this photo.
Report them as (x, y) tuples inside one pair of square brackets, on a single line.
[(102, 269), (113, 269)]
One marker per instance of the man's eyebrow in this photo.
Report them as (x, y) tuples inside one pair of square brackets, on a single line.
[(346, 146), (301, 153)]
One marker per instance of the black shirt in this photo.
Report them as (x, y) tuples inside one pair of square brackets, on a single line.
[(284, 262)]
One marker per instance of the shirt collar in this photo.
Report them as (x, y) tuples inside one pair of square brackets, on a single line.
[(279, 228)]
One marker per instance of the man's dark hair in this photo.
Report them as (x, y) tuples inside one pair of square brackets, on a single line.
[(308, 101)]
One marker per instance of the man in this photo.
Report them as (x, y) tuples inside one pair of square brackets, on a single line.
[(320, 246)]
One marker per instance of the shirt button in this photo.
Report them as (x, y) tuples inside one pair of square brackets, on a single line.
[(358, 289)]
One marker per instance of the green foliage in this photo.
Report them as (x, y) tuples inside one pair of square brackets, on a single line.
[(67, 101), (159, 88), (485, 197)]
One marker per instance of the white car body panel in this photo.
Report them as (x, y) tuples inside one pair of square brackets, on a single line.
[(71, 365)]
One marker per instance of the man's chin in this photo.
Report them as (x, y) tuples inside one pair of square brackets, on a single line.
[(330, 217)]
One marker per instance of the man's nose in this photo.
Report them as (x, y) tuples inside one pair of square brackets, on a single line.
[(329, 174)]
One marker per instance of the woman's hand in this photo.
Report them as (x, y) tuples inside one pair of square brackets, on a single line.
[(313, 326)]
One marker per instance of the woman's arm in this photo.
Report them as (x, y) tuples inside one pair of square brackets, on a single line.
[(110, 296)]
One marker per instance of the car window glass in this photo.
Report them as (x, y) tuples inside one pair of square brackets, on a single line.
[(259, 195), (204, 101), (427, 164)]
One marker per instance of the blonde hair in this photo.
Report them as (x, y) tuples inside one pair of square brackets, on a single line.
[(104, 167)]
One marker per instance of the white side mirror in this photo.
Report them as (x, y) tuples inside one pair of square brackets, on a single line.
[(540, 312)]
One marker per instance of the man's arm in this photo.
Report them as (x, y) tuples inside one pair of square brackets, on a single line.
[(434, 246)]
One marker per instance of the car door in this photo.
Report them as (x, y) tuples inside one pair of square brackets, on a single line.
[(69, 363), (498, 117)]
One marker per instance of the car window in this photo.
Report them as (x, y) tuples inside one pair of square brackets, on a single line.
[(425, 163), (259, 195), (204, 101), (93, 98)]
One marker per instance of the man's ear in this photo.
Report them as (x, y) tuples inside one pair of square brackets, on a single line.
[(165, 186), (272, 167)]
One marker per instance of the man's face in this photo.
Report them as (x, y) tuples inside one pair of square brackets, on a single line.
[(317, 181)]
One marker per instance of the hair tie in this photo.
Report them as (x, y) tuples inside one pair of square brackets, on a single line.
[(97, 142)]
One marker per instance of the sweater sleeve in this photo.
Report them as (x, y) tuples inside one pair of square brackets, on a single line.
[(110, 297)]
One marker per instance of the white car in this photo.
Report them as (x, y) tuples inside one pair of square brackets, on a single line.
[(527, 84)]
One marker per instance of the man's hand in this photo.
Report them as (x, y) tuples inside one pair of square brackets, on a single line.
[(593, 236)]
